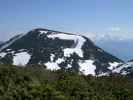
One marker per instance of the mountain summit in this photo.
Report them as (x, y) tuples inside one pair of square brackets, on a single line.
[(57, 50)]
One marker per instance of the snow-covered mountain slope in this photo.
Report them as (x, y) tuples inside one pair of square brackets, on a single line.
[(58, 50), (124, 69)]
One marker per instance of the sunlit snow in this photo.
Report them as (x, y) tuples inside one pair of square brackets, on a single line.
[(52, 66), (43, 32), (119, 69), (21, 59), (69, 51), (52, 57), (87, 67), (79, 41), (59, 60), (113, 65)]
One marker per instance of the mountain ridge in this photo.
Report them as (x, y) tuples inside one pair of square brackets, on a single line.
[(58, 50)]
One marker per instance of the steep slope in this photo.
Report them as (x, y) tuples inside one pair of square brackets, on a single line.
[(125, 69), (57, 50)]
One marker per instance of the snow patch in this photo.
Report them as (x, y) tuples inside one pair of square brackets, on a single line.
[(103, 74), (52, 66), (43, 32), (113, 65), (124, 73), (79, 42), (59, 60), (69, 51), (3, 54), (21, 50), (100, 50), (21, 58), (69, 66), (52, 57), (119, 69), (63, 36), (87, 67), (8, 49)]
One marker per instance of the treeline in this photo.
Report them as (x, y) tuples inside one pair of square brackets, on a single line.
[(37, 83)]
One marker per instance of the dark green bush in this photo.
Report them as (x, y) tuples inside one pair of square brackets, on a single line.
[(37, 83)]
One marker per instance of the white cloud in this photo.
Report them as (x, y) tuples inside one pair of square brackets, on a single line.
[(110, 36)]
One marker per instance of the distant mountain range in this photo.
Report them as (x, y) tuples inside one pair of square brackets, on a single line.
[(119, 42), (123, 48), (60, 50)]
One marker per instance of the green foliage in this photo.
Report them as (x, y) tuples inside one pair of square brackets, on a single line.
[(37, 83)]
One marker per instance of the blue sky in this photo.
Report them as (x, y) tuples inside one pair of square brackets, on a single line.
[(93, 18), (82, 16)]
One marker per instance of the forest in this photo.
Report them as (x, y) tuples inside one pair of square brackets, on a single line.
[(38, 83)]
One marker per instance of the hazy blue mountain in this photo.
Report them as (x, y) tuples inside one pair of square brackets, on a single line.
[(122, 48)]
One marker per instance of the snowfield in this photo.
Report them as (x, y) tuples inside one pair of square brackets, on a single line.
[(119, 69), (52, 66), (21, 59), (69, 51), (113, 65), (87, 67), (79, 41), (43, 32)]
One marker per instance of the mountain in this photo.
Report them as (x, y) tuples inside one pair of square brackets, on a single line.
[(57, 50)]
